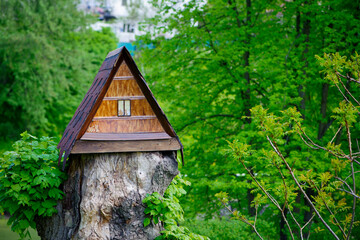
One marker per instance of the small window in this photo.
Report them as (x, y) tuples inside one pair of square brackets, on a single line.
[(124, 108), (124, 2), (123, 28), (130, 28)]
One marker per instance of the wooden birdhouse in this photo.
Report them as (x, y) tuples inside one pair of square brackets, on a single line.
[(121, 147), (118, 114)]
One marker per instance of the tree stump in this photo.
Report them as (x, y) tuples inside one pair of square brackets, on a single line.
[(104, 193)]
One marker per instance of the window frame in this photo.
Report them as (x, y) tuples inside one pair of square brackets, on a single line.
[(126, 103)]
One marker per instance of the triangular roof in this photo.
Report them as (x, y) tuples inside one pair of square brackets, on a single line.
[(92, 100)]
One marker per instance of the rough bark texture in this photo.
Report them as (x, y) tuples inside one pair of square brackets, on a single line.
[(104, 194)]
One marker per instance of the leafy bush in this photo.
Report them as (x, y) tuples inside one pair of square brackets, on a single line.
[(220, 229), (169, 212), (29, 182)]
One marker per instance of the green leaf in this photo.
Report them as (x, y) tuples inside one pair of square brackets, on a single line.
[(41, 211), (158, 208), (16, 187), (13, 208), (29, 214), (55, 193), (32, 191), (23, 224), (50, 211), (156, 220), (48, 204), (35, 205), (146, 222)]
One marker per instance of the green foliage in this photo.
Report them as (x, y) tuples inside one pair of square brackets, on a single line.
[(48, 59), (205, 83), (337, 67), (223, 228), (226, 57), (223, 59), (168, 211), (6, 233), (29, 182), (345, 114), (325, 187)]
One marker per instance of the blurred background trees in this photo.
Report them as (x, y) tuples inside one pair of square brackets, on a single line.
[(48, 58)]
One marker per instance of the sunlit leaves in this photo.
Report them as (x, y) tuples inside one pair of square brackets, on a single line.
[(345, 114), (223, 197), (338, 164), (323, 188), (331, 64)]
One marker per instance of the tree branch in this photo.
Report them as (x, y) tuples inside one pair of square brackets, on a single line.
[(329, 210), (244, 220), (348, 92), (353, 178), (269, 196), (301, 189)]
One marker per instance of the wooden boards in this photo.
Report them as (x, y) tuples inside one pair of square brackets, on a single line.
[(123, 70), (123, 88), (140, 116), (83, 146), (139, 107), (125, 136), (126, 125)]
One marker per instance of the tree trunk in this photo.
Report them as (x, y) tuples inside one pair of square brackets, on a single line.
[(104, 193), (247, 93), (283, 235), (323, 126)]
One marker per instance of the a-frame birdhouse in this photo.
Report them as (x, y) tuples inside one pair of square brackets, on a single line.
[(118, 114)]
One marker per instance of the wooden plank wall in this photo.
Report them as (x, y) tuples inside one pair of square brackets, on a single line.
[(124, 87), (139, 107), (119, 88), (125, 126), (126, 146)]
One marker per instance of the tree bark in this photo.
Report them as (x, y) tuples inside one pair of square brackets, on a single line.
[(283, 235), (104, 193), (323, 126), (247, 93)]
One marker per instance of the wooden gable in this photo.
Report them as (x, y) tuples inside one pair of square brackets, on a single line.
[(141, 119), (118, 114)]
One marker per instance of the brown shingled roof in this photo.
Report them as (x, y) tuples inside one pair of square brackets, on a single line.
[(92, 100)]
